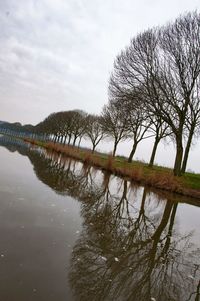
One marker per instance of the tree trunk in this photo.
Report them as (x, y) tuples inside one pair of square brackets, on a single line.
[(187, 149), (79, 141), (74, 142), (65, 139), (115, 148), (69, 140), (179, 156), (156, 142), (55, 138), (93, 147), (132, 152)]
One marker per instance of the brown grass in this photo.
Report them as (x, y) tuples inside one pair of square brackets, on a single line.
[(158, 179), (110, 163), (87, 158), (167, 181)]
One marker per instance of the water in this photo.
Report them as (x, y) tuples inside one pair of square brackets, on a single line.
[(71, 232)]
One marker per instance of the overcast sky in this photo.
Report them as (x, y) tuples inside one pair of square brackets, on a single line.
[(58, 54)]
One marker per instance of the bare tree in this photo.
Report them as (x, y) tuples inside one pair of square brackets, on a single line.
[(94, 130), (180, 42), (192, 125), (114, 124), (163, 66), (161, 131), (78, 124), (61, 125), (137, 123)]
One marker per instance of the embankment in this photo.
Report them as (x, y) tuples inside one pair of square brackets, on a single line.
[(158, 177)]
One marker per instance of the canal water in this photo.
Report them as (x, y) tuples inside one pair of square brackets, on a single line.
[(71, 232)]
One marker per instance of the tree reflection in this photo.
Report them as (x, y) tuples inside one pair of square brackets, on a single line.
[(130, 247), (115, 259)]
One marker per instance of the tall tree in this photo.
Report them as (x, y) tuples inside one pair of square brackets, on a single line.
[(94, 130), (137, 123), (161, 131), (192, 125), (114, 124), (78, 124), (163, 66)]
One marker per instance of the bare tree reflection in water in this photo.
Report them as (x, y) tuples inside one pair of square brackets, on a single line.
[(131, 247), (133, 258), (125, 255)]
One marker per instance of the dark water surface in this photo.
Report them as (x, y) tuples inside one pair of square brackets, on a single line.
[(70, 232)]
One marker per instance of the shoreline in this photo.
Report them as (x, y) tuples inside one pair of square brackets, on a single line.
[(157, 177)]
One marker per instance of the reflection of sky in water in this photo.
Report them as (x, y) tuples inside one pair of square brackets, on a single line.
[(188, 220), (38, 230)]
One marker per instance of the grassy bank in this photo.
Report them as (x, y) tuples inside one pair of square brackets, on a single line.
[(157, 176)]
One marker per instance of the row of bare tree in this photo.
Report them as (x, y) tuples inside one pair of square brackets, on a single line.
[(70, 126), (157, 79), (153, 92)]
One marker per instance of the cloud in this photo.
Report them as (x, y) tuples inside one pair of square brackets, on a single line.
[(57, 55)]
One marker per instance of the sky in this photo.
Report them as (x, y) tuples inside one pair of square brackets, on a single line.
[(58, 54)]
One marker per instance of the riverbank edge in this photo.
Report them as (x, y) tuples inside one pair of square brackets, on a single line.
[(142, 174)]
